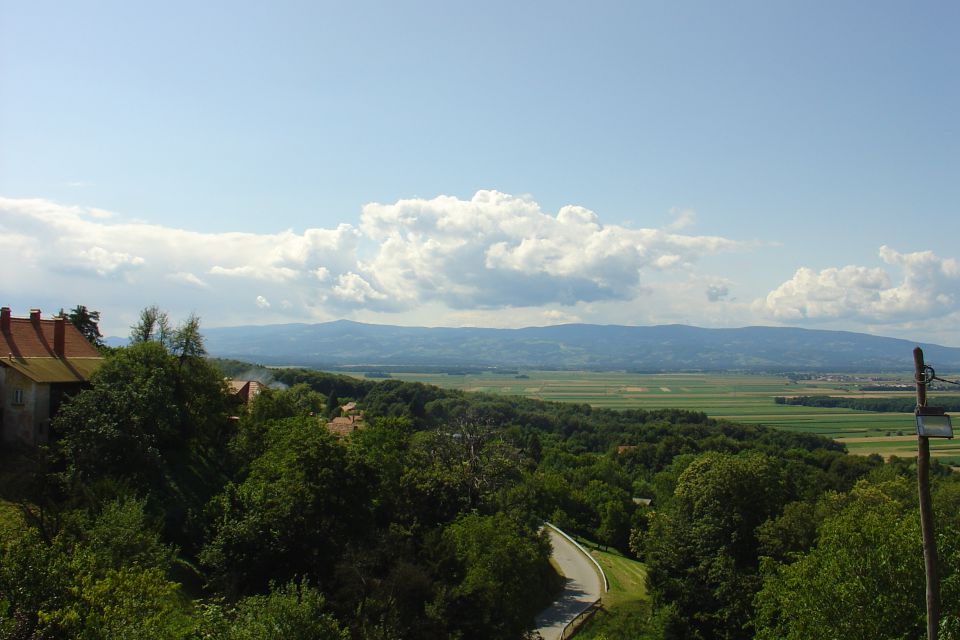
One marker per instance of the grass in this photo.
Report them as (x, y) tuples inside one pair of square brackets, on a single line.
[(740, 398), (625, 608)]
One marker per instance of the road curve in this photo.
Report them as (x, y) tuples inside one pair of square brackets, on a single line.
[(583, 587)]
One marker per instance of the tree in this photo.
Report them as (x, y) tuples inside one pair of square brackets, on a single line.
[(186, 341), (150, 424), (102, 576), (303, 500), (702, 549), (294, 611), (864, 578), (86, 322), (153, 325), (498, 574)]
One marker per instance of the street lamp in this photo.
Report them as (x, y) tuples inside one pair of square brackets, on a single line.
[(932, 422)]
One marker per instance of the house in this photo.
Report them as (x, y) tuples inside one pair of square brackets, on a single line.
[(40, 362), (349, 420), (245, 390)]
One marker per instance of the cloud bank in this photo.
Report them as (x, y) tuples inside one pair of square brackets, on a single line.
[(490, 252), (928, 285), (447, 260)]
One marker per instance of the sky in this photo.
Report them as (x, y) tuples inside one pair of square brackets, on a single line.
[(487, 163)]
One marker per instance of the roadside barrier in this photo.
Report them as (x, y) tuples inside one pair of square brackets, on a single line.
[(606, 586), (572, 626)]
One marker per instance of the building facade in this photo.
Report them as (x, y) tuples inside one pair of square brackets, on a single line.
[(41, 362)]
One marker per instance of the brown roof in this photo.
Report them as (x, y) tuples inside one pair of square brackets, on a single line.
[(345, 425), (27, 345), (26, 339), (245, 389)]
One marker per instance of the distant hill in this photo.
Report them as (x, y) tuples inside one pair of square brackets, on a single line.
[(572, 346)]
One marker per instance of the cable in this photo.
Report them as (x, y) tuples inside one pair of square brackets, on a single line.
[(929, 375)]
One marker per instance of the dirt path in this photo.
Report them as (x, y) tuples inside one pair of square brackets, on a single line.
[(583, 587)]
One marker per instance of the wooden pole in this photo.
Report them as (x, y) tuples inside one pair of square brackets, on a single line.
[(926, 511)]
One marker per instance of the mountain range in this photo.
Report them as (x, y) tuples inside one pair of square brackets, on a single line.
[(345, 343)]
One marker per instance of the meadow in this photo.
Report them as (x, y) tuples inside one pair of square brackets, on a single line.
[(741, 398)]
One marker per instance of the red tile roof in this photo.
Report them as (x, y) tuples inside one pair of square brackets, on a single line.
[(24, 339), (245, 390), (30, 345), (344, 426)]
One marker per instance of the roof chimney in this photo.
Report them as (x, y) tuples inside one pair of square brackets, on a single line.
[(59, 336), (35, 317), (5, 319)]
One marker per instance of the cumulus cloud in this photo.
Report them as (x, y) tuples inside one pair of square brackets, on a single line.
[(498, 250), (103, 261), (490, 252), (927, 284), (353, 288)]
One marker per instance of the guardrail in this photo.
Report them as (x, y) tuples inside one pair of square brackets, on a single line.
[(606, 585), (574, 625), (571, 627)]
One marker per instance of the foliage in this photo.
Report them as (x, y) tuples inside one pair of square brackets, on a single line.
[(87, 322), (303, 500), (423, 524), (152, 421), (101, 576), (152, 325), (295, 611), (886, 405), (496, 573), (863, 579), (702, 550)]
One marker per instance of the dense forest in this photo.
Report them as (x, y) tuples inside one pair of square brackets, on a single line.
[(164, 509)]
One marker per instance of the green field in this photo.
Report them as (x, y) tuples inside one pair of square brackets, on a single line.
[(736, 397)]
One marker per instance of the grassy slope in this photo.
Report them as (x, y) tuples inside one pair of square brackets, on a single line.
[(625, 610)]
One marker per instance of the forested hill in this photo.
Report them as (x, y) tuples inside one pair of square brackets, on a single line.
[(573, 346)]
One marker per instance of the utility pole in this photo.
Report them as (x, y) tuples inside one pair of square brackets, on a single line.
[(926, 511)]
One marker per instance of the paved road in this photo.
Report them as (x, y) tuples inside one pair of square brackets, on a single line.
[(583, 586)]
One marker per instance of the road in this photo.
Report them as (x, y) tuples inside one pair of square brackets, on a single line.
[(583, 587)]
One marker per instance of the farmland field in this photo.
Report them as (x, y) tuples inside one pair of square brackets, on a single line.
[(736, 397)]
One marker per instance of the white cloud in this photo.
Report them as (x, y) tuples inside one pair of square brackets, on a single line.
[(263, 303), (353, 288), (491, 252), (104, 262), (256, 272), (497, 250), (186, 277), (928, 285)]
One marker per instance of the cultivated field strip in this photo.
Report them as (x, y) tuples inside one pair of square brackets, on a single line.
[(736, 397)]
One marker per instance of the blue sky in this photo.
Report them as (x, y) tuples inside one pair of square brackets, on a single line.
[(495, 163)]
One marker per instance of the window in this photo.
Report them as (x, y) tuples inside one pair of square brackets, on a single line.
[(18, 396)]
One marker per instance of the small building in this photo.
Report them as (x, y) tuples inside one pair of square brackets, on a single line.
[(245, 390), (41, 361), (349, 420)]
